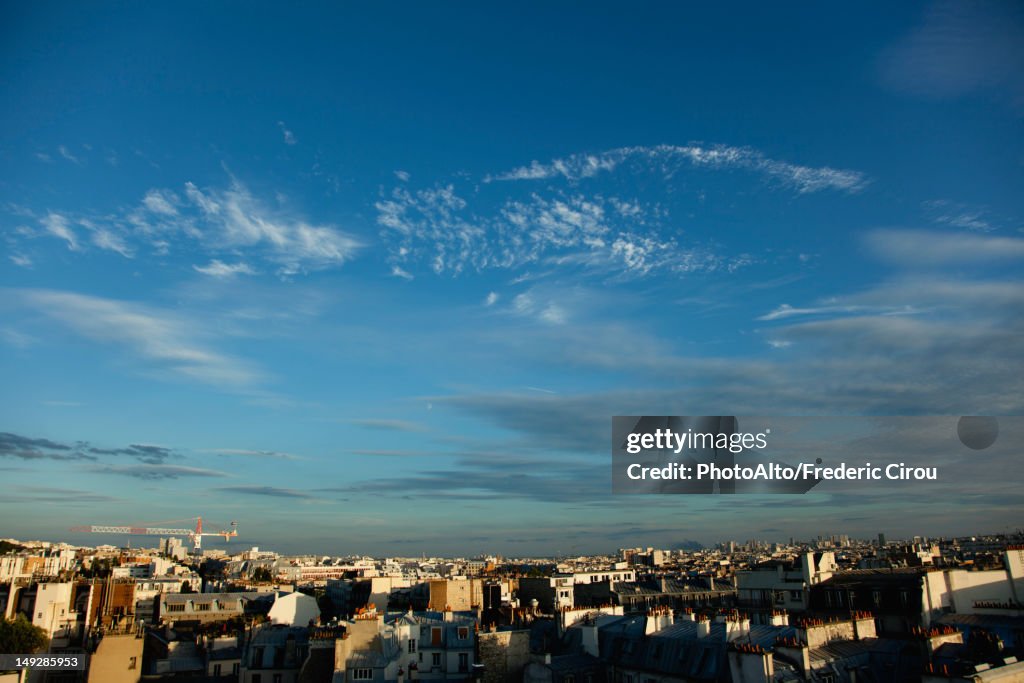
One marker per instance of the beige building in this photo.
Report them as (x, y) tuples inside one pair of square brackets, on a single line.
[(118, 659)]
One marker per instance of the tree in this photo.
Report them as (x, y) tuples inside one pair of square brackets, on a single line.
[(262, 574), (21, 637), (7, 547)]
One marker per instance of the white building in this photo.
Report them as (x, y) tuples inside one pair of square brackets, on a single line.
[(52, 611), (294, 609)]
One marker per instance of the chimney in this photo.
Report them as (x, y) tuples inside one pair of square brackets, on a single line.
[(743, 625), (591, 643), (863, 625), (780, 618), (657, 619), (703, 627)]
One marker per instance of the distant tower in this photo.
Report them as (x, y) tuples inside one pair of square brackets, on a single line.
[(881, 540)]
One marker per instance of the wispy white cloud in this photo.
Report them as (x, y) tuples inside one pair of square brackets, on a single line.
[(931, 248), (157, 337), (21, 260), (289, 137), (161, 202), (786, 311), (110, 241), (668, 159), (960, 48), (560, 226), (220, 221), (235, 219), (402, 175), (16, 338), (217, 268), (401, 272), (66, 153), (58, 225), (437, 227), (960, 215), (491, 299)]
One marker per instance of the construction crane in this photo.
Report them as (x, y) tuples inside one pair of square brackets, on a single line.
[(195, 535)]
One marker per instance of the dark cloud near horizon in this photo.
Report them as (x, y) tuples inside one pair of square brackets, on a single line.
[(29, 448), (157, 472), (151, 455), (269, 491)]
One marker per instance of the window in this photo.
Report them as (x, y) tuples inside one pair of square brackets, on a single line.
[(277, 678), (463, 633), (412, 645), (234, 669), (435, 636), (362, 674), (463, 662), (876, 597), (216, 669), (568, 678), (202, 607), (133, 662), (796, 596), (436, 659), (780, 597), (176, 608)]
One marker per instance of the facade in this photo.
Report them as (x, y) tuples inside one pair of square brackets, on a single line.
[(118, 659), (783, 585), (274, 654), (53, 610), (205, 607), (431, 646)]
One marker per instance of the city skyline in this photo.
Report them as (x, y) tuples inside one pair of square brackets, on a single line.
[(377, 278)]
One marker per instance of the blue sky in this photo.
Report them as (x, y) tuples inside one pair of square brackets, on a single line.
[(374, 278)]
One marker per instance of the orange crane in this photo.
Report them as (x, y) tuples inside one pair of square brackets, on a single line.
[(195, 535)]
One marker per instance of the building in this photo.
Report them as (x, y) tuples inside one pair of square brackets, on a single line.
[(274, 653), (294, 609), (429, 646), (914, 597), (783, 585), (210, 607)]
